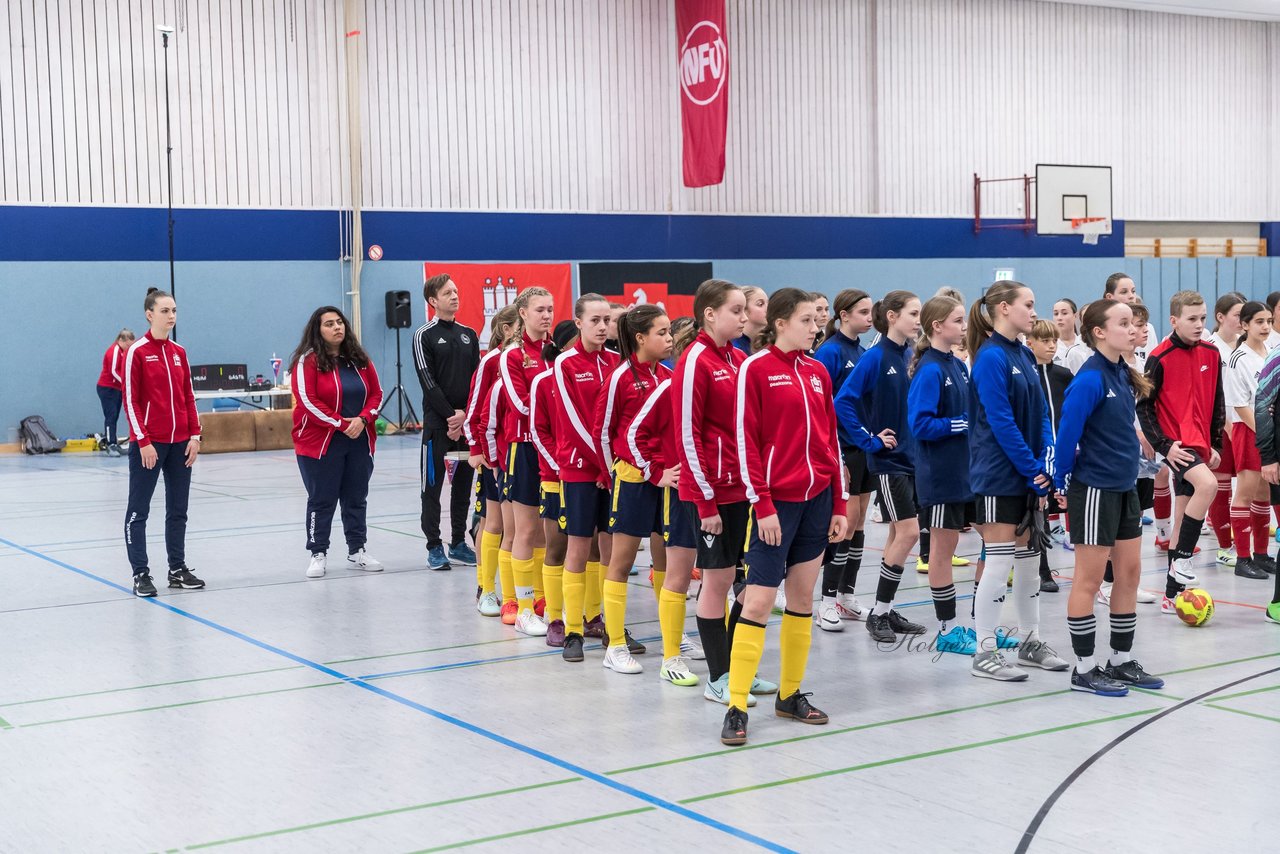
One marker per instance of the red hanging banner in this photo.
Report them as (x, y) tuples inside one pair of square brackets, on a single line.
[(703, 56)]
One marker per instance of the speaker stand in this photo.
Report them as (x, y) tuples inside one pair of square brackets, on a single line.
[(402, 399)]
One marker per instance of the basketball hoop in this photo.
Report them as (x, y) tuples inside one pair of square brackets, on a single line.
[(1089, 227)]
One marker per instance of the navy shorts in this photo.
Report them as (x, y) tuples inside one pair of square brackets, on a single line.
[(804, 538), (636, 505), (549, 503), (523, 479), (487, 489), (678, 530), (584, 509)]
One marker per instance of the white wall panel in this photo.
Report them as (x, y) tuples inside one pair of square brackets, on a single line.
[(844, 107)]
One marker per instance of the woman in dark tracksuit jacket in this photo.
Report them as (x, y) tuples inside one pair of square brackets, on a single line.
[(872, 407), (1009, 441), (337, 396), (1100, 480), (840, 352), (938, 413), (1266, 414)]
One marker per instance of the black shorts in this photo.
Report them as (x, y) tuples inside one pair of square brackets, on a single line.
[(523, 479), (1180, 485), (723, 550), (487, 489), (804, 538), (549, 503), (948, 517), (584, 509), (896, 495), (1001, 509), (861, 481), (1100, 518)]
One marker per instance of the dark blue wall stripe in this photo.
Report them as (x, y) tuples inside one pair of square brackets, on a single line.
[(138, 234), (1270, 232)]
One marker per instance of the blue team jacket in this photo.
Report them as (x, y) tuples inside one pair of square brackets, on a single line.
[(937, 410), (1097, 416), (839, 354), (1009, 430), (874, 398)]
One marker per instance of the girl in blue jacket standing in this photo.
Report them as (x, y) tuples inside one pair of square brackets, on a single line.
[(1009, 442), (840, 353), (872, 409), (1100, 482), (938, 415)]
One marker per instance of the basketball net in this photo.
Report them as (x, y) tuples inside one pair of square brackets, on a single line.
[(1089, 228)]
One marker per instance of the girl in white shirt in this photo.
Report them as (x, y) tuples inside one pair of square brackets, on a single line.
[(1250, 511), (1072, 352)]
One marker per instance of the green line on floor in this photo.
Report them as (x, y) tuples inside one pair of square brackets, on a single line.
[(1247, 693), (5, 724), (913, 756), (180, 705), (1243, 712), (1220, 664), (152, 685), (416, 536), (532, 830), (826, 733), (382, 813)]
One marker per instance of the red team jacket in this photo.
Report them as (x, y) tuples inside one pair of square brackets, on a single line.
[(542, 413), (628, 387), (521, 362), (485, 386), (112, 375), (1186, 403), (579, 378), (703, 401), (318, 402), (779, 462), (650, 443), (158, 397)]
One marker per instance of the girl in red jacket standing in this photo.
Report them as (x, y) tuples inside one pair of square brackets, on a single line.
[(337, 396), (795, 483), (164, 435), (521, 362), (111, 389)]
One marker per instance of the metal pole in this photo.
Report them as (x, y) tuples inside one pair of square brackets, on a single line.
[(168, 141)]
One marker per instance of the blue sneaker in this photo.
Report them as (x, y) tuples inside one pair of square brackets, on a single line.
[(461, 553), (1147, 520), (958, 640), (1006, 641), (436, 558), (635, 570)]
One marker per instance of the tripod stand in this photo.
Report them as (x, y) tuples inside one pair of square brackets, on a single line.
[(401, 397)]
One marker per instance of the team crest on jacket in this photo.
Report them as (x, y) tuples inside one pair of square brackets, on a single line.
[(176, 361), (466, 340), (816, 382)]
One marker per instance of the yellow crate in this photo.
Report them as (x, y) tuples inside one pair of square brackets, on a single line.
[(82, 445)]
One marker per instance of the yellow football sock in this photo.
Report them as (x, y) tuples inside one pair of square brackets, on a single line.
[(659, 578), (671, 610), (794, 639), (593, 595), (615, 611), (553, 581), (574, 588), (744, 661), (539, 557), (523, 571), (508, 576), (487, 566)]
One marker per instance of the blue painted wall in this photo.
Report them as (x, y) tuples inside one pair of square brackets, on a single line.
[(71, 277)]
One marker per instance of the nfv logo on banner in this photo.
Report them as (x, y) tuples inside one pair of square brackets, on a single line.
[(702, 51), (704, 59)]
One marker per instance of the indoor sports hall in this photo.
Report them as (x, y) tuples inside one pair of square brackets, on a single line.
[(357, 244)]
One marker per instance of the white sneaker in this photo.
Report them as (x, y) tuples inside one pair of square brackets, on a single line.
[(718, 692), (1104, 594), (1146, 597), (316, 568), (1182, 572), (829, 617), (877, 514), (489, 605), (619, 660), (780, 601), (691, 650), (364, 561), (676, 671), (529, 623), (849, 608)]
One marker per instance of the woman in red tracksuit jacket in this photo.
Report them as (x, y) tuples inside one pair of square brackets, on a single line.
[(580, 373), (164, 432), (111, 390), (520, 363), (336, 401), (644, 340), (795, 483), (483, 448)]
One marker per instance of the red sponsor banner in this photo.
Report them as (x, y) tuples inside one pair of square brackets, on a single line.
[(703, 56), (483, 289)]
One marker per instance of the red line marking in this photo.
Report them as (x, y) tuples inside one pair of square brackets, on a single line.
[(1239, 604)]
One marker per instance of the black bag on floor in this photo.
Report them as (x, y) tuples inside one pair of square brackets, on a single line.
[(37, 438)]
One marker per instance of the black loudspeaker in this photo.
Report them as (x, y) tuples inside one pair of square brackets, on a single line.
[(399, 312)]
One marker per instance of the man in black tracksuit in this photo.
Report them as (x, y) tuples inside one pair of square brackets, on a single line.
[(446, 355)]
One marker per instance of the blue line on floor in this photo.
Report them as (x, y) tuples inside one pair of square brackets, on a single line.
[(654, 800)]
